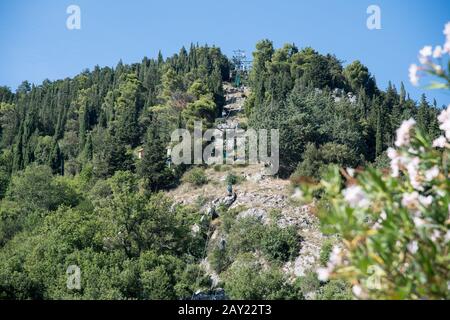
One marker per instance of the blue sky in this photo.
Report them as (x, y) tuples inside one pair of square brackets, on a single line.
[(35, 43)]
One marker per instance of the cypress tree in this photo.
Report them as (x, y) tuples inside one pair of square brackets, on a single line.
[(152, 166), (88, 148), (379, 135)]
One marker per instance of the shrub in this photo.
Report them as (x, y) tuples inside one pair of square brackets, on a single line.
[(196, 176), (308, 283), (247, 280), (395, 227), (221, 168), (325, 252), (218, 259), (233, 179), (280, 244), (335, 290), (245, 236)]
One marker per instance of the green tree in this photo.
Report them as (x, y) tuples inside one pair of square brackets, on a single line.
[(153, 167)]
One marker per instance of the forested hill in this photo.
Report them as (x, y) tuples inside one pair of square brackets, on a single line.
[(74, 191), (99, 116), (327, 113)]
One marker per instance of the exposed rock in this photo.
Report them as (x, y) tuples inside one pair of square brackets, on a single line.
[(222, 201), (258, 213), (195, 229), (225, 201)]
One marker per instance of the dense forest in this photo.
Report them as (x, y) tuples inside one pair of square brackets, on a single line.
[(74, 191), (327, 113)]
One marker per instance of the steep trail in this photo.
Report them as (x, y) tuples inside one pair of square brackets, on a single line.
[(256, 195)]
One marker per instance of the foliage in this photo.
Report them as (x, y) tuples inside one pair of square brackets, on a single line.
[(281, 244), (247, 280), (395, 228), (196, 176), (335, 290), (233, 179), (326, 113), (325, 252)]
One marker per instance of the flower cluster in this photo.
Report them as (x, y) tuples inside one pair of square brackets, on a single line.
[(432, 61), (395, 227)]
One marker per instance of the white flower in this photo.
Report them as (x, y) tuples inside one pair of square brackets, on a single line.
[(425, 53), (383, 216), (435, 235), (392, 153), (323, 274), (357, 290), (444, 120), (403, 133), (437, 53), (431, 173), (413, 74), (396, 161), (426, 201), (447, 46), (418, 222), (447, 30), (413, 247), (439, 142), (413, 171), (447, 34), (335, 257), (410, 200), (356, 197)]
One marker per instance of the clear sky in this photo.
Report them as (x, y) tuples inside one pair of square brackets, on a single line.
[(35, 43)]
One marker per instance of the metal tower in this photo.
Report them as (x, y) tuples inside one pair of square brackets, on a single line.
[(241, 66)]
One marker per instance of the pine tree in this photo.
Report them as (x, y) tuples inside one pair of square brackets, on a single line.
[(152, 166), (88, 148), (128, 106), (423, 114), (379, 135), (56, 159)]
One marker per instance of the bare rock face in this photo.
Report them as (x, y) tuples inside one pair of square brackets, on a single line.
[(226, 201), (223, 201), (258, 213)]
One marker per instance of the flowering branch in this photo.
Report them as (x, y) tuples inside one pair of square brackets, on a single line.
[(433, 63)]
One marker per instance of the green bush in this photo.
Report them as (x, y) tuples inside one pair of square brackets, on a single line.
[(280, 244), (233, 179), (196, 176), (245, 236), (308, 283), (221, 168), (218, 259), (248, 280), (325, 252), (335, 290)]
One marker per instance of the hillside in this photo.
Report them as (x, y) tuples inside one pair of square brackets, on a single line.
[(268, 199), (86, 182)]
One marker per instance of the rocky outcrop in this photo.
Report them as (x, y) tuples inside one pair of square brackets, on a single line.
[(226, 202)]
